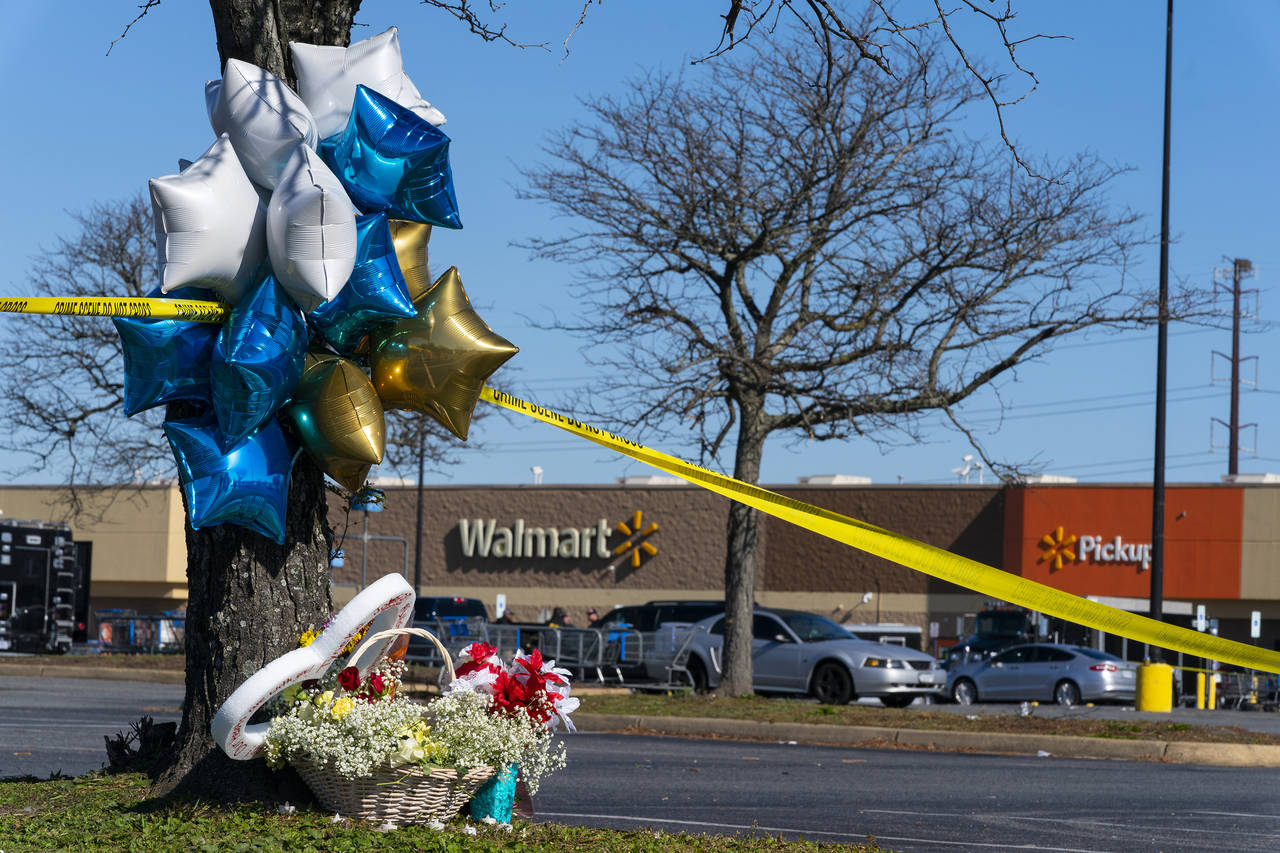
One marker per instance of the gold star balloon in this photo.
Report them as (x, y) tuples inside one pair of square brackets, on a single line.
[(339, 418), (437, 362), (411, 239)]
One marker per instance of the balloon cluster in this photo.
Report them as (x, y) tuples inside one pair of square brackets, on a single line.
[(310, 215)]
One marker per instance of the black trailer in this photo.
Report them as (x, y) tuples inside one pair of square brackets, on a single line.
[(42, 587)]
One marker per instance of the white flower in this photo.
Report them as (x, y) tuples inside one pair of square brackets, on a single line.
[(469, 830), (387, 827), (286, 808), (489, 820), (435, 824), (337, 818)]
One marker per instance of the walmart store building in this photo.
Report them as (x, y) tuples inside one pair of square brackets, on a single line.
[(581, 546)]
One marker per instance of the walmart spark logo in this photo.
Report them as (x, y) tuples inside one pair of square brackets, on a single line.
[(637, 538), (1058, 548)]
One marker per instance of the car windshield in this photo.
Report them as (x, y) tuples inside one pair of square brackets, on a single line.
[(811, 628), (1096, 654)]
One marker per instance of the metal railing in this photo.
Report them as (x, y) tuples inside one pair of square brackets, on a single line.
[(595, 654)]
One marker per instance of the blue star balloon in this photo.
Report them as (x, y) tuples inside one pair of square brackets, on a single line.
[(246, 485), (375, 293), (166, 360), (389, 160), (257, 360)]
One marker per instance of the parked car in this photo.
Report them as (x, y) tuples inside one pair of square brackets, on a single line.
[(455, 620), (648, 616), (798, 652), (1043, 672), (633, 658)]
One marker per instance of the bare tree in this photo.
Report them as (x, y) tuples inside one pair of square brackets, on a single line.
[(797, 245), (63, 380)]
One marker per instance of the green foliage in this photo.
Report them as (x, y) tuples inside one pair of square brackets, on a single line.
[(100, 812)]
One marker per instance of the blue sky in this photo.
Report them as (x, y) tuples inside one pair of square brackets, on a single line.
[(87, 127)]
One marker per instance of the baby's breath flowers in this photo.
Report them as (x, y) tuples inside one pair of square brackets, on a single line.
[(349, 724)]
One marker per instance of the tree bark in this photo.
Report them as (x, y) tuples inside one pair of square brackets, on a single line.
[(742, 535), (249, 599), (259, 31)]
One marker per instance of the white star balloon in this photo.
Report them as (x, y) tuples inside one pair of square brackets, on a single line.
[(210, 224), (265, 118), (311, 231), (328, 76)]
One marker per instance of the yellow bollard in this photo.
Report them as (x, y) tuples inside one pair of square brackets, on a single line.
[(1155, 687), (1213, 692), (1200, 703)]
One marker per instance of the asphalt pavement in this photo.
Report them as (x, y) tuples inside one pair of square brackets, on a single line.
[(909, 800), (19, 681), (906, 799)]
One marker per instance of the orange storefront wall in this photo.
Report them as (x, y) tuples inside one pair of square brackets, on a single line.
[(1202, 539)]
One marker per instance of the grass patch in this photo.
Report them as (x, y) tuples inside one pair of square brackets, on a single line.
[(101, 812), (775, 710)]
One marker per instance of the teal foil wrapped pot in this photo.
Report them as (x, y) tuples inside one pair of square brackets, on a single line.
[(497, 797)]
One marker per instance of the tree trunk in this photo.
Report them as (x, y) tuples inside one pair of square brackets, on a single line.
[(259, 31), (249, 599), (743, 539)]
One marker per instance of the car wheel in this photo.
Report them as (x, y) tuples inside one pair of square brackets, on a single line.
[(1066, 693), (698, 675), (832, 684), (964, 692), (898, 700)]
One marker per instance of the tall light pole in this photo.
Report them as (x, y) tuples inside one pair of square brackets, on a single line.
[(417, 539), (1162, 348)]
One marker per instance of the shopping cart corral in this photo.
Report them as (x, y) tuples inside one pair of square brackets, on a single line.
[(456, 633), (642, 660)]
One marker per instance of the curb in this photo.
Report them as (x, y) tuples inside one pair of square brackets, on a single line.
[(1061, 746), (101, 673)]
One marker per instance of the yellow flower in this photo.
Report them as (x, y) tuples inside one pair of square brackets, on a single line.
[(354, 642), (308, 637), (324, 699), (341, 708)]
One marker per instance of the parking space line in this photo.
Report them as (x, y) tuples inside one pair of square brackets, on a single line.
[(1001, 816), (861, 835)]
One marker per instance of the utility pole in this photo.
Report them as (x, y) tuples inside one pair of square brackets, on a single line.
[(1241, 268), (417, 539), (1162, 350)]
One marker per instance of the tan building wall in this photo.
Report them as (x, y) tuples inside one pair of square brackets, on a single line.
[(139, 547), (797, 568), (1260, 543)]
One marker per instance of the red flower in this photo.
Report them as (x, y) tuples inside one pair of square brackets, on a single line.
[(378, 685), (480, 651), (349, 678)]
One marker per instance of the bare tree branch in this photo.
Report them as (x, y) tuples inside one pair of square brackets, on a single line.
[(146, 7), (794, 244)]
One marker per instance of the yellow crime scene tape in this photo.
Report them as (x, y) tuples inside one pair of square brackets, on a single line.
[(891, 546), (913, 554), (124, 306)]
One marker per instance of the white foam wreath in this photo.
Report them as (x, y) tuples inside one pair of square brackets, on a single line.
[(385, 603)]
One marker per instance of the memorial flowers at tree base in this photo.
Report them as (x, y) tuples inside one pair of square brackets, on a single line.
[(492, 716)]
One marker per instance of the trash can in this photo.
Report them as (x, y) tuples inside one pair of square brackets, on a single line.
[(1155, 687)]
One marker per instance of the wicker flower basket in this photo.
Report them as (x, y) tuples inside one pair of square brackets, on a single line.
[(402, 794)]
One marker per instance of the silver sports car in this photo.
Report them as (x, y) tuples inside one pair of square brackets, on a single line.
[(798, 652)]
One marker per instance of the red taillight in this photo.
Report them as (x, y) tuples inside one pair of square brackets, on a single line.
[(1104, 667)]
